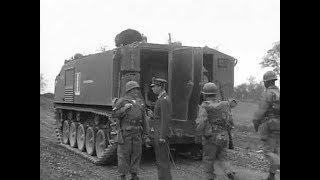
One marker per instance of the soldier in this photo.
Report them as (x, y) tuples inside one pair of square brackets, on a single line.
[(268, 118), (129, 110), (204, 79), (160, 128), (212, 122)]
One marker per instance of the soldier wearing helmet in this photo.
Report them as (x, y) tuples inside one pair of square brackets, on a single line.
[(130, 112), (204, 79), (267, 122), (212, 122)]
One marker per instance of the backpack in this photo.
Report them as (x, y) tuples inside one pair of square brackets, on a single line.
[(217, 122), (275, 101), (218, 114), (274, 123)]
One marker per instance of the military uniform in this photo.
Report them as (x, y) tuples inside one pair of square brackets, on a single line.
[(267, 122), (213, 128), (159, 129), (133, 127), (212, 123), (269, 129)]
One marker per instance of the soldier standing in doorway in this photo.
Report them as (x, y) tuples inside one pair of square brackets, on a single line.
[(212, 122), (129, 110), (204, 79), (267, 122), (159, 128)]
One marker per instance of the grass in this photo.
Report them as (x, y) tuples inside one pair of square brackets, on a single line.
[(243, 113), (244, 134)]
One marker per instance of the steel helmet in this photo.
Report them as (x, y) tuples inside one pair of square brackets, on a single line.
[(269, 75), (210, 88), (131, 84)]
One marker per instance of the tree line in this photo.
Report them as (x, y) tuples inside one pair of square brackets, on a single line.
[(252, 90), (249, 91)]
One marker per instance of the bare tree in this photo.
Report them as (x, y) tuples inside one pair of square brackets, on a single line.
[(272, 58)]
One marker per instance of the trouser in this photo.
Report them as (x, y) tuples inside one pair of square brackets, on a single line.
[(162, 159), (270, 136), (213, 153), (271, 149), (129, 154)]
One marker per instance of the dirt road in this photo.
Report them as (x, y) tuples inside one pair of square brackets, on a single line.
[(56, 162)]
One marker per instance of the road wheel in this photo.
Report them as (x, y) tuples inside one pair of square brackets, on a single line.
[(73, 134), (102, 141), (90, 141), (81, 136), (65, 132)]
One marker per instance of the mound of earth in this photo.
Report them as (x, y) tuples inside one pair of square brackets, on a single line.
[(48, 95), (46, 101)]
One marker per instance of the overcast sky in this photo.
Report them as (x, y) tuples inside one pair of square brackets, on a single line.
[(244, 29)]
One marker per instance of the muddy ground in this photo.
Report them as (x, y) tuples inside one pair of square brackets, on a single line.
[(56, 162)]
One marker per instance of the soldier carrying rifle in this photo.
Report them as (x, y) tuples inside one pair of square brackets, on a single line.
[(129, 110), (212, 125), (267, 122)]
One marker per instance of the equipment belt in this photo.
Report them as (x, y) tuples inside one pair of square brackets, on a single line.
[(133, 128)]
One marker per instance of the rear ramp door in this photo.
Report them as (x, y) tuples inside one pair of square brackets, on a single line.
[(181, 67)]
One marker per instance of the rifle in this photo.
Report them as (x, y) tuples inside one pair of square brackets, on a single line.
[(230, 139), (117, 130), (258, 122), (119, 137), (147, 120)]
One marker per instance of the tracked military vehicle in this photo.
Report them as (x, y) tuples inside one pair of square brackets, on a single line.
[(86, 86)]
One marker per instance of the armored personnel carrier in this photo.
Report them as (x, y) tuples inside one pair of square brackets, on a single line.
[(86, 86)]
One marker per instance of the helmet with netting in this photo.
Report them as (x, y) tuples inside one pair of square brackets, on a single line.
[(131, 84), (210, 88), (269, 75)]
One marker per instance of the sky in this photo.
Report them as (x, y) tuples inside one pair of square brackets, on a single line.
[(243, 29)]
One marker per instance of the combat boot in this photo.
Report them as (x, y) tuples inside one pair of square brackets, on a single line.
[(231, 175), (134, 176), (271, 176)]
